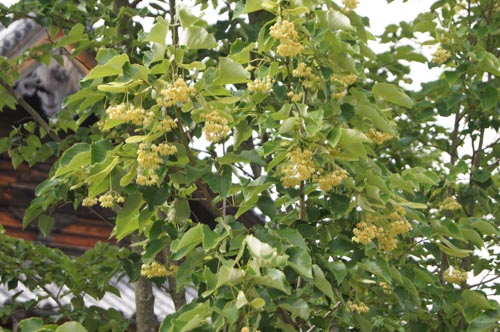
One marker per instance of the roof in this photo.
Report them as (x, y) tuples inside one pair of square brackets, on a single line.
[(163, 302)]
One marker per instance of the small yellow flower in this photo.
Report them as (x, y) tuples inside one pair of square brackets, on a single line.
[(283, 30), (296, 97), (385, 287), (127, 113), (450, 203), (361, 307), (156, 269), (345, 80), (455, 275), (379, 137), (364, 233), (87, 201), (329, 181), (350, 4), (178, 92), (299, 168), (288, 47), (260, 85), (440, 56), (216, 127)]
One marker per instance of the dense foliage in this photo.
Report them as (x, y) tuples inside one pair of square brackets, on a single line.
[(377, 217)]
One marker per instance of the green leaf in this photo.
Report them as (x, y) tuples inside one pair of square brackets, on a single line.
[(334, 20), (483, 323), (70, 153), (258, 303), (99, 149), (189, 317), (378, 267), (33, 211), (274, 278), (241, 300), (300, 260), (476, 299), (297, 307), (158, 33), (127, 220), (111, 68), (100, 176), (194, 173), (485, 227), (77, 33), (118, 87), (471, 235), (410, 287), (490, 98), (220, 183), (45, 223), (195, 38), (252, 6), (211, 239), (377, 118), (339, 270), (264, 254), (30, 324), (490, 63), (392, 93), (321, 283), (71, 327), (450, 249), (187, 242), (186, 17), (230, 72), (179, 211)]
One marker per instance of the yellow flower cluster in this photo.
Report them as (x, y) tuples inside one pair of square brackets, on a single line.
[(296, 97), (365, 232), (329, 181), (440, 56), (345, 80), (127, 113), (303, 71), (166, 123), (216, 128), (350, 4), (455, 275), (450, 203), (386, 240), (149, 158), (359, 308), (156, 269), (300, 167), (178, 92), (338, 95), (106, 200), (260, 85), (285, 32), (379, 137), (385, 286)]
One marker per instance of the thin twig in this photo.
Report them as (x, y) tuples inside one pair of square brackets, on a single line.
[(31, 111)]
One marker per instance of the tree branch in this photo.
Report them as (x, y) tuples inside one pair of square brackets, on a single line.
[(31, 111)]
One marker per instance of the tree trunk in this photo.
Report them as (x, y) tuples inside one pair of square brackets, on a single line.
[(144, 299), (144, 306)]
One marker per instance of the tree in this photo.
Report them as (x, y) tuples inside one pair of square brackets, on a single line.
[(282, 109)]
